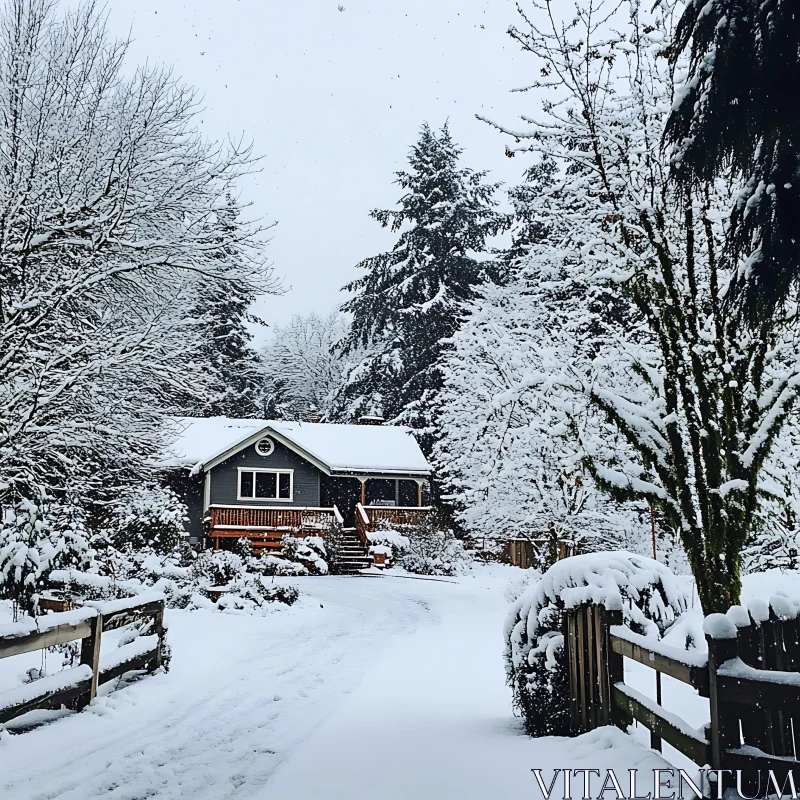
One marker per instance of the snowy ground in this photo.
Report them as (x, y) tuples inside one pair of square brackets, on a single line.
[(375, 688)]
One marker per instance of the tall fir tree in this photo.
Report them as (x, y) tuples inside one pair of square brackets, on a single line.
[(739, 108), (409, 301), (231, 384)]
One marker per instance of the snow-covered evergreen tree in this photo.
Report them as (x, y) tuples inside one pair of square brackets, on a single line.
[(409, 301), (737, 107), (511, 455), (227, 368)]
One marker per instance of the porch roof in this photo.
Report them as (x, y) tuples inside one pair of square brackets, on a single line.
[(202, 443)]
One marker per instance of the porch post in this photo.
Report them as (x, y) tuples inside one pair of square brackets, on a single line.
[(363, 492), (419, 495)]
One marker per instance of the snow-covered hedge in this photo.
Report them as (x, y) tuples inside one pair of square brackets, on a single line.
[(649, 594)]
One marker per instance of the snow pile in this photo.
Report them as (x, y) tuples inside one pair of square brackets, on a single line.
[(648, 593)]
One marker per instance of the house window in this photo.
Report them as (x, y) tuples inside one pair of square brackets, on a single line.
[(266, 484)]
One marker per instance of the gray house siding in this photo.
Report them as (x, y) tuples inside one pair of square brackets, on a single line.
[(225, 476)]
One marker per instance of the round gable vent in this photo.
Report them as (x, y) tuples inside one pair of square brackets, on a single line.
[(265, 447)]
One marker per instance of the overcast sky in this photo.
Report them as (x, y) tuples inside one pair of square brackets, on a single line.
[(332, 100)]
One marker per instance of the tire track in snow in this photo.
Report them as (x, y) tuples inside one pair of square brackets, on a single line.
[(216, 730)]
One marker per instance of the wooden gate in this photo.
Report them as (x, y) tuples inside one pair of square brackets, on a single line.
[(751, 677)]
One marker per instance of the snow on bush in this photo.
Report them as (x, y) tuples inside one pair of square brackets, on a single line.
[(389, 543), (649, 594), (218, 567), (219, 580), (148, 515), (310, 551), (275, 565), (433, 549), (34, 540)]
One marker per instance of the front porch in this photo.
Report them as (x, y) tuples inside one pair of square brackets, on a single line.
[(265, 527)]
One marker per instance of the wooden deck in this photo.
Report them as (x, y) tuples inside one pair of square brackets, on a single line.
[(265, 527)]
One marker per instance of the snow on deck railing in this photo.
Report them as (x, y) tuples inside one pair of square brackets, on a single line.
[(362, 513), (399, 508)]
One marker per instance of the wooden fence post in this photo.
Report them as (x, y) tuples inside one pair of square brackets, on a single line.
[(724, 728), (90, 655), (158, 629), (615, 666), (571, 656)]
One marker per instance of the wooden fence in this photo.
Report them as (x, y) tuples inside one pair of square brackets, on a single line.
[(77, 687), (751, 677), (526, 553)]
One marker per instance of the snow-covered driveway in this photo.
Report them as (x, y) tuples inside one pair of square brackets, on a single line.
[(371, 688)]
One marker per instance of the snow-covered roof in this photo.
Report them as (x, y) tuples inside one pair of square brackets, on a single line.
[(381, 449)]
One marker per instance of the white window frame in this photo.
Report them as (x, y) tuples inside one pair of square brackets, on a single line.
[(276, 472)]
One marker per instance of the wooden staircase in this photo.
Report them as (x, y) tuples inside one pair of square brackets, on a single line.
[(354, 555)]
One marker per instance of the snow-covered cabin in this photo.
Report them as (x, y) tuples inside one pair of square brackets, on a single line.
[(259, 479)]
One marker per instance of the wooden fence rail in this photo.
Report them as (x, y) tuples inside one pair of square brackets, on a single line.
[(77, 687), (751, 677)]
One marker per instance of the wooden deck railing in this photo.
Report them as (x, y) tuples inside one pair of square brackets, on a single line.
[(264, 527), (368, 518), (78, 686), (254, 518)]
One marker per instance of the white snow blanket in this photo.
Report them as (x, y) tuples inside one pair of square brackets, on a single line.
[(363, 448)]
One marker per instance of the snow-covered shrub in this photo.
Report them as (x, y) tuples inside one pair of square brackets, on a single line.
[(34, 540), (253, 593), (517, 588), (309, 551), (148, 515), (389, 542), (196, 586), (218, 567), (334, 544), (650, 596), (275, 565), (433, 549)]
